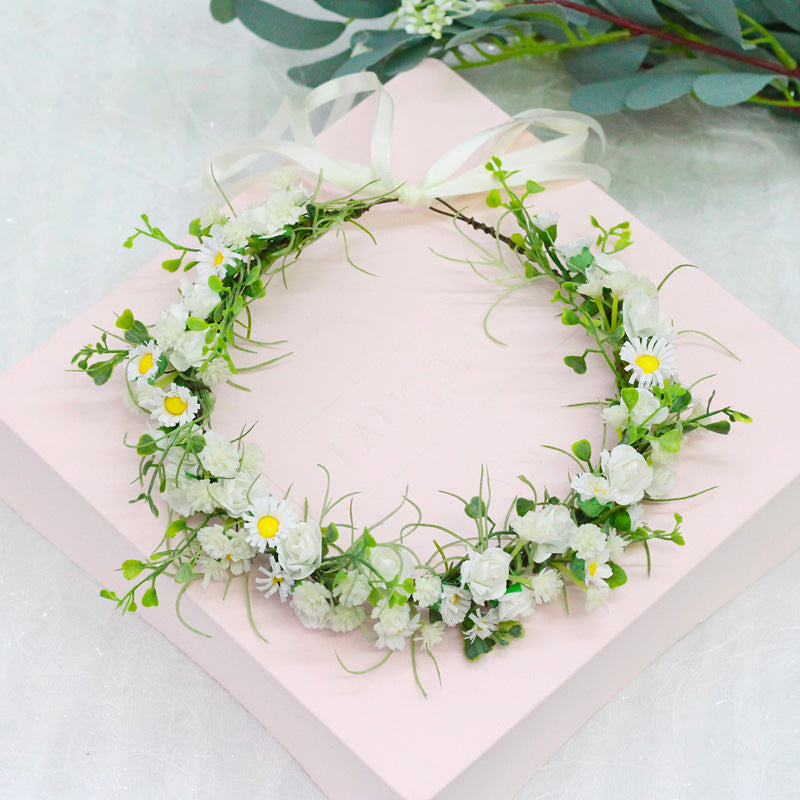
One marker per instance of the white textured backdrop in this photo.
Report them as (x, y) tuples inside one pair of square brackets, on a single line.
[(109, 110)]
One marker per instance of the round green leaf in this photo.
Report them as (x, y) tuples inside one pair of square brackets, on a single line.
[(603, 97), (658, 89)]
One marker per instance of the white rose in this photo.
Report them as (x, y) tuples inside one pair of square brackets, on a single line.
[(237, 494), (486, 573), (616, 416), (392, 562), (642, 316), (648, 408), (551, 529), (171, 325), (187, 350), (516, 605), (219, 456), (311, 603), (198, 297), (663, 480), (628, 474), (300, 550)]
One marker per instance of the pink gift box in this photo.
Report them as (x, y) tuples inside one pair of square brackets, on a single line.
[(393, 385)]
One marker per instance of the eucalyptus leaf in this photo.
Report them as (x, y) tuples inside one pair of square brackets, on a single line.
[(609, 61), (639, 10), (787, 11), (318, 72), (360, 9), (223, 10), (379, 47), (658, 89), (286, 29), (404, 59), (790, 41), (729, 88), (717, 15), (758, 10), (603, 97)]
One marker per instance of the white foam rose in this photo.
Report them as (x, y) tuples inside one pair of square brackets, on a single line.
[(616, 416), (551, 529), (486, 573), (300, 550), (642, 316), (392, 563), (219, 456), (171, 325), (648, 409), (628, 474), (516, 605), (187, 350), (663, 480)]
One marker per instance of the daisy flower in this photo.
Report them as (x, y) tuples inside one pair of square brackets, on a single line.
[(214, 257), (143, 362), (485, 624), (650, 361), (267, 520), (455, 604), (274, 580), (177, 407)]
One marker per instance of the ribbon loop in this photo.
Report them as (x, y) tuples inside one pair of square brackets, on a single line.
[(556, 159)]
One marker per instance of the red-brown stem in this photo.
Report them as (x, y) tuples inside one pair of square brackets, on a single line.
[(638, 29)]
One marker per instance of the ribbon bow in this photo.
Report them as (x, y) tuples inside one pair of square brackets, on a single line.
[(557, 159)]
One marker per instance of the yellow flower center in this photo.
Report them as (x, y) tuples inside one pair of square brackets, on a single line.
[(145, 363), (592, 568), (219, 259), (648, 363), (175, 405), (268, 526), (277, 580)]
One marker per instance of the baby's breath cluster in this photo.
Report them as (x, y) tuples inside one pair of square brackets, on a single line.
[(430, 17), (488, 577)]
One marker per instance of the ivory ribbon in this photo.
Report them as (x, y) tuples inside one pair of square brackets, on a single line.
[(557, 159)]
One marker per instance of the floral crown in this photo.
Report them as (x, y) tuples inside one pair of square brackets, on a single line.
[(225, 522)]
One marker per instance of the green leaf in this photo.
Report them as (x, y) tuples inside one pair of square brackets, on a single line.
[(404, 59), (215, 284), (137, 334), (475, 509), (582, 450), (621, 519), (671, 440), (175, 527), (603, 97), (285, 29), (330, 534), (101, 372), (125, 320), (739, 417), (132, 568), (592, 507), (194, 228), (196, 324), (147, 445), (576, 363), (195, 443), (719, 15), (618, 576), (531, 187), (582, 260), (360, 9), (476, 649), (493, 199), (569, 317), (171, 264), (787, 11), (184, 574), (523, 506), (223, 10), (723, 426), (680, 403), (109, 595), (150, 598), (729, 88), (638, 10), (630, 397), (578, 568)]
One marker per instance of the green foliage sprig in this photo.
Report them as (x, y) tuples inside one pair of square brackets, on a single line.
[(636, 54)]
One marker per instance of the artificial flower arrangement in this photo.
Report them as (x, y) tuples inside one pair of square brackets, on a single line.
[(224, 522)]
